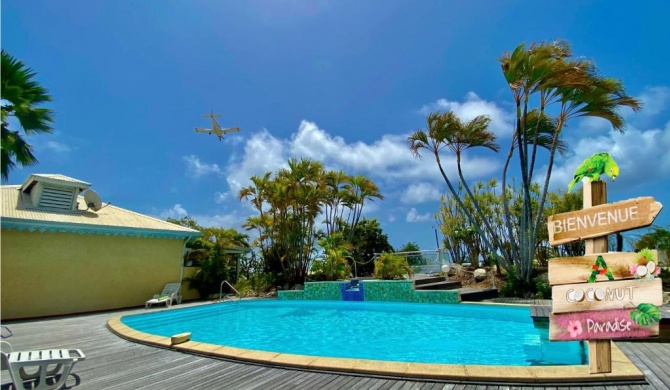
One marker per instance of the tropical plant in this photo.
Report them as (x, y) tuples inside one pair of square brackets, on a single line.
[(368, 241), (548, 74), (217, 251), (390, 266), (657, 238), (334, 262), (288, 203), (543, 73), (254, 285), (413, 259), (21, 98)]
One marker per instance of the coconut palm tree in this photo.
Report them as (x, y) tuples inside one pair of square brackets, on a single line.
[(546, 73), (447, 130), (21, 97)]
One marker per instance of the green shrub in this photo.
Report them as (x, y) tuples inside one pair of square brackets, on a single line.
[(514, 286), (256, 285), (207, 280), (543, 290), (390, 266), (330, 269)]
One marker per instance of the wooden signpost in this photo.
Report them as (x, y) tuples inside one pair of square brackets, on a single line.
[(602, 220), (601, 296)]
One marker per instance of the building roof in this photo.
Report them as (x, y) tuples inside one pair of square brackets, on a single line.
[(54, 179), (17, 212)]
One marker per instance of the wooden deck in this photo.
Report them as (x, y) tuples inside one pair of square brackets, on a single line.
[(115, 363)]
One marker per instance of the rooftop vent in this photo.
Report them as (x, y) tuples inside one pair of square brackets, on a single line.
[(57, 198), (53, 192)]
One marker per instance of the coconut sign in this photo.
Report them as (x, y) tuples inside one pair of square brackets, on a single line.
[(622, 305), (605, 296)]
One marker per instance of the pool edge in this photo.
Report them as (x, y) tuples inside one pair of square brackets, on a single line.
[(623, 369)]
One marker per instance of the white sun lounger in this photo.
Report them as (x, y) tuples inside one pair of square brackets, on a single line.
[(34, 367), (170, 293)]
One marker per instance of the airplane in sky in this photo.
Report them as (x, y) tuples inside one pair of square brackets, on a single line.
[(216, 129)]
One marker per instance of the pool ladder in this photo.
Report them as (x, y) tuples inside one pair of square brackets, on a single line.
[(223, 297)]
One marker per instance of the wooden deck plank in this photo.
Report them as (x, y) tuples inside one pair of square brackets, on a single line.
[(638, 355), (115, 363)]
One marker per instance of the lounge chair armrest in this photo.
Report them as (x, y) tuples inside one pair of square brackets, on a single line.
[(77, 354), (5, 345)]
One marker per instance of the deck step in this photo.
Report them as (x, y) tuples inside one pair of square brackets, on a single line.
[(477, 294), (443, 285), (428, 280)]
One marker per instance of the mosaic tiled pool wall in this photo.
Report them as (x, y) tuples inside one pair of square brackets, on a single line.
[(403, 291), (371, 290), (322, 291)]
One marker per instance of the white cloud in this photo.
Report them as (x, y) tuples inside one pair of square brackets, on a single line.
[(655, 100), (502, 121), (387, 153), (414, 216), (388, 158), (232, 219), (176, 212), (220, 197), (197, 168), (387, 161), (262, 153), (370, 207), (643, 156), (420, 193), (58, 147)]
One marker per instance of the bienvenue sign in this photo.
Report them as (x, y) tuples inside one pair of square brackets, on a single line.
[(602, 220)]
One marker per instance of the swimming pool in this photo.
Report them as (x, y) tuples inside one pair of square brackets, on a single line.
[(390, 331)]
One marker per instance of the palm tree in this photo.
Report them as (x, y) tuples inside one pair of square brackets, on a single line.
[(360, 189), (336, 252), (547, 72), (21, 96), (446, 130), (335, 195)]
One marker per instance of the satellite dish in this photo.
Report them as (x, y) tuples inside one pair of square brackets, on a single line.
[(92, 200)]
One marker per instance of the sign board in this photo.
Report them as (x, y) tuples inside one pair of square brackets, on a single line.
[(565, 270), (620, 294), (602, 220), (605, 325)]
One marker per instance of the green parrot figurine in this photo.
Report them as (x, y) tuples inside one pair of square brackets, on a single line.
[(595, 166)]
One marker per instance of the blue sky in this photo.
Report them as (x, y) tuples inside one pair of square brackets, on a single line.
[(344, 82)]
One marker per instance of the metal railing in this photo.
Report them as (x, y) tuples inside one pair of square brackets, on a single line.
[(222, 297)]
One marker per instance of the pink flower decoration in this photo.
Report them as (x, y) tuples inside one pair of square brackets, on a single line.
[(657, 271), (575, 328), (633, 269)]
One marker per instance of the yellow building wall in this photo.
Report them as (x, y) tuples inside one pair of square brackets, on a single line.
[(189, 294), (45, 274)]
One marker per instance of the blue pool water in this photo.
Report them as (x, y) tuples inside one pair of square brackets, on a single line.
[(406, 332)]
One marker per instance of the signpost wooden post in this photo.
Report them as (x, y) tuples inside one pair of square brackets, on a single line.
[(600, 351), (598, 297)]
